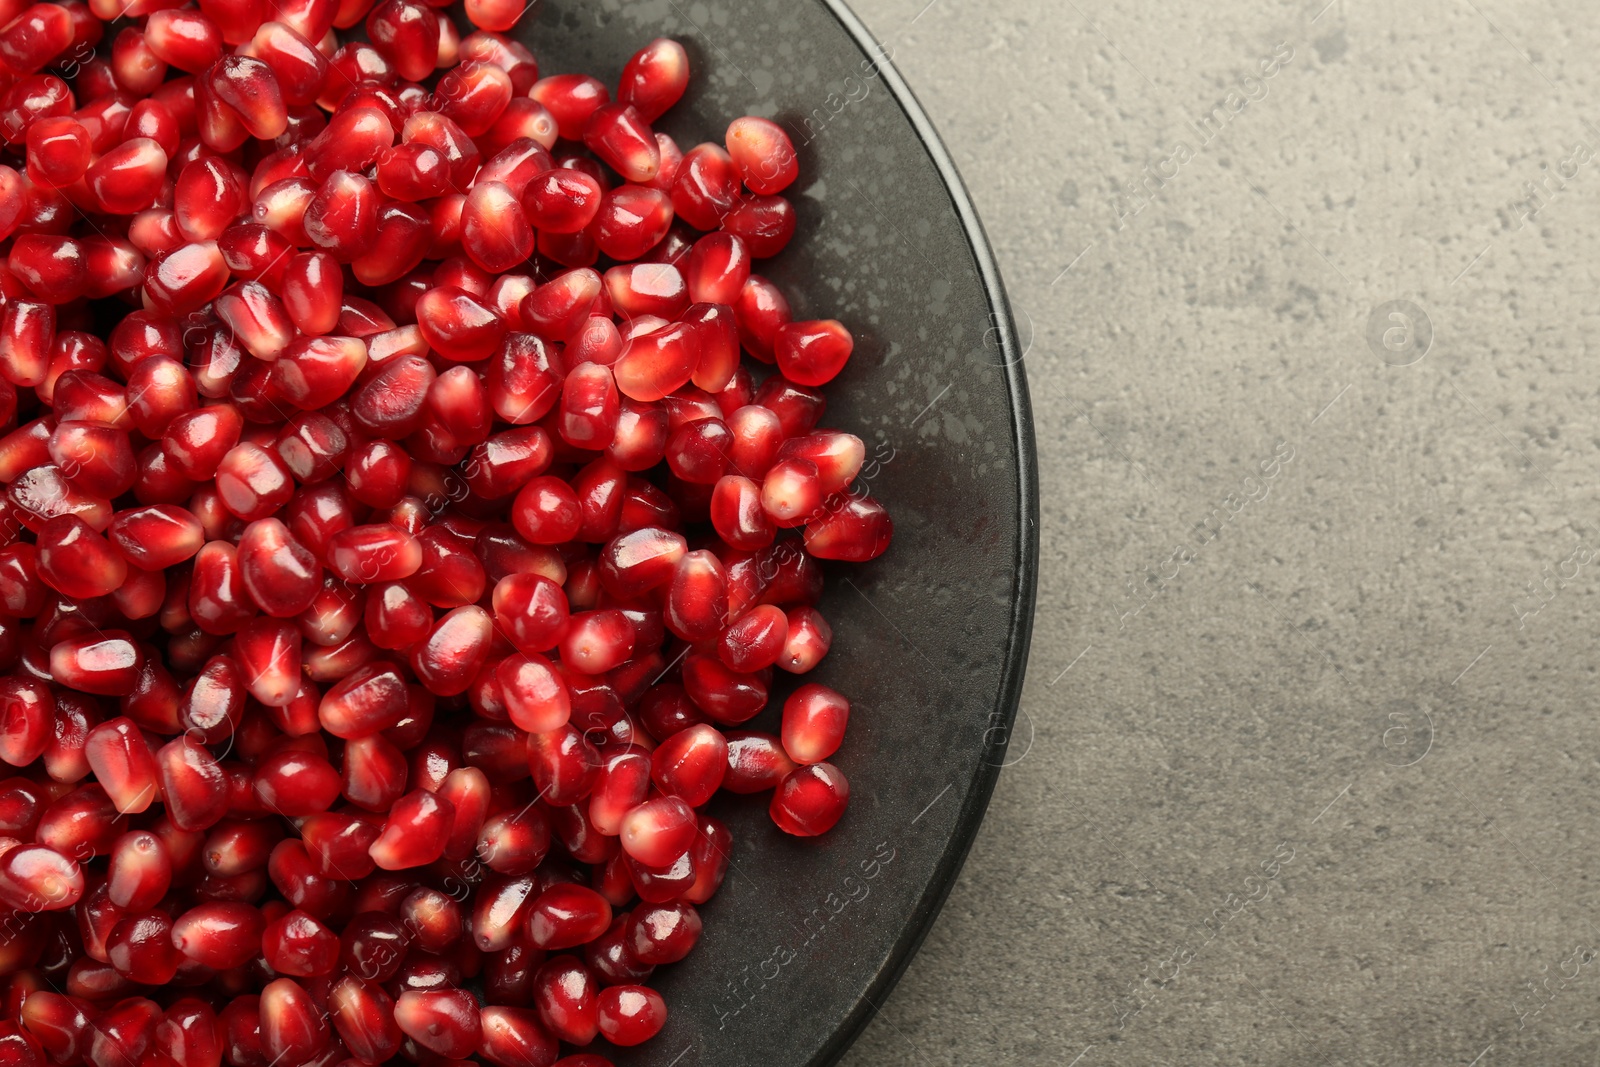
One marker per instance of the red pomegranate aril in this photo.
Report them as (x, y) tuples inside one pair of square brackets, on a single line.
[(562, 201), (567, 916), (140, 948), (193, 787), (444, 1021), (374, 553), (766, 224), (407, 34), (808, 641), (623, 139), (219, 934), (280, 574), (755, 640), (293, 1026), (571, 99), (248, 87), (299, 67), (415, 833), (297, 944), (35, 36), (363, 1015), (718, 267), (50, 267), (810, 800), (638, 289), (566, 997), (454, 651), (294, 783), (514, 843), (107, 663), (597, 641), (658, 831), (58, 1023), (737, 514), (657, 364), (374, 774), (706, 187), (189, 1035), (630, 1014), (474, 95), (59, 151), (514, 1037), (37, 878), (371, 700), (27, 332), (622, 785), (631, 220), (564, 764), (856, 529), (791, 492), (655, 78), (123, 764), (691, 764)]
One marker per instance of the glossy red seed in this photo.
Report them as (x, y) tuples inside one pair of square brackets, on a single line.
[(444, 1021), (407, 34), (219, 934), (415, 832), (107, 663), (810, 800), (193, 786), (566, 997), (562, 201), (630, 1014), (706, 187), (691, 764), (293, 1026), (363, 1015), (658, 831), (35, 36), (850, 528), (655, 78), (631, 220), (59, 151)]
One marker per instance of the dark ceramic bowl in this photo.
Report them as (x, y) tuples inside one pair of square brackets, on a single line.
[(930, 641)]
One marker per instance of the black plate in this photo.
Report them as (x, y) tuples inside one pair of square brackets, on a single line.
[(930, 641)]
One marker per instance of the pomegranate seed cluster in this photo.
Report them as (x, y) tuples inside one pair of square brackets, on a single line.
[(386, 580)]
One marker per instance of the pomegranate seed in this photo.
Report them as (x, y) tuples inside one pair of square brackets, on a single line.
[(564, 765), (108, 663), (293, 1026), (655, 78), (691, 764), (59, 150), (140, 948), (297, 944), (854, 529), (407, 34), (514, 1037), (630, 1014), (312, 290), (658, 831), (193, 787), (706, 188), (35, 37), (415, 833), (810, 800), (188, 1034), (567, 999), (631, 220), (363, 1015)]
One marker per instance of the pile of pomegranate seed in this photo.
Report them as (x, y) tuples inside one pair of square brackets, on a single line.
[(382, 595)]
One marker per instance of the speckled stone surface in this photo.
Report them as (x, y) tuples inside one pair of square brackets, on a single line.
[(1313, 773)]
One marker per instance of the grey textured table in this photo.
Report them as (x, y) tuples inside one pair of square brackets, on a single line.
[(1307, 765)]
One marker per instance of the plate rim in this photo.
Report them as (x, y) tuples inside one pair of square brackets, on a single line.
[(980, 788)]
